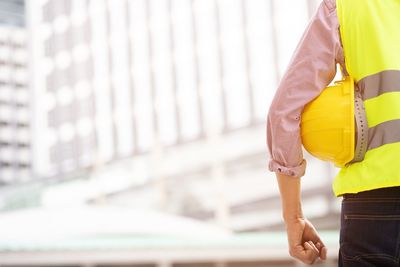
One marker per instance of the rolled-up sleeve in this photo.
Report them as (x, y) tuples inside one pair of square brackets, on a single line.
[(311, 69)]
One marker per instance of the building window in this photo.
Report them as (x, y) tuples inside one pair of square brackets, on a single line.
[(81, 34), (54, 8), (83, 71)]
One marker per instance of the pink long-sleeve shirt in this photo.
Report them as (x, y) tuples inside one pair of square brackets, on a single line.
[(312, 68)]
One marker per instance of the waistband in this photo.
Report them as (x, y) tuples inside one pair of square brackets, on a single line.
[(388, 192)]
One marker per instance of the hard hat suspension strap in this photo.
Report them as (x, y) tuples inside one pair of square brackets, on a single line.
[(361, 127)]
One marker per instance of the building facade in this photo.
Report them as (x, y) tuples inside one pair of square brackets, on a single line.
[(124, 78), (12, 13), (15, 108)]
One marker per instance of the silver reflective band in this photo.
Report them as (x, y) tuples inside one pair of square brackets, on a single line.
[(384, 133), (379, 83)]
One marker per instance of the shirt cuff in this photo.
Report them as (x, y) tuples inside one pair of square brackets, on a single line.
[(297, 171)]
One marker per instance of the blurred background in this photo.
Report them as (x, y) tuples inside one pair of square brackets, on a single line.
[(132, 133)]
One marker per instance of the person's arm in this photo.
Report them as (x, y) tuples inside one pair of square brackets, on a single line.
[(311, 69), (304, 241)]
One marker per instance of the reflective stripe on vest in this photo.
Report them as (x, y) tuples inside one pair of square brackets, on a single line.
[(383, 118), (370, 39)]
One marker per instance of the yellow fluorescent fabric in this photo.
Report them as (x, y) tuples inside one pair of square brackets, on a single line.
[(383, 108), (368, 174), (370, 22), (370, 34)]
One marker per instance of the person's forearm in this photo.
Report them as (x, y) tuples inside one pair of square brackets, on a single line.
[(289, 188)]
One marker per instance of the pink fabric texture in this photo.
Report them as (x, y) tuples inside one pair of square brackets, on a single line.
[(311, 69)]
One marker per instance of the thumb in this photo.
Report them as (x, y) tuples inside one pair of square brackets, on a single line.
[(322, 250)]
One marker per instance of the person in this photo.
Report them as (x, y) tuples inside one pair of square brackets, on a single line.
[(363, 37)]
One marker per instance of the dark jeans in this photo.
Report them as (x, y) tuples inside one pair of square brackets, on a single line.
[(370, 229)]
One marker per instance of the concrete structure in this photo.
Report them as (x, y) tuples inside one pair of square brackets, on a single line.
[(244, 250), (15, 106), (110, 236)]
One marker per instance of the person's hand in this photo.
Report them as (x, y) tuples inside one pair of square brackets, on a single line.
[(304, 241)]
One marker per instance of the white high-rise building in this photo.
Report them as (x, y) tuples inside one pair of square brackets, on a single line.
[(119, 78), (15, 107)]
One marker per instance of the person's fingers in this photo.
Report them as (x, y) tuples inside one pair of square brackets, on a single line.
[(314, 237), (301, 252), (311, 253), (322, 250), (313, 246), (307, 252), (323, 253), (318, 240)]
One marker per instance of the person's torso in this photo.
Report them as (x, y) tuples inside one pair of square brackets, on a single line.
[(371, 39)]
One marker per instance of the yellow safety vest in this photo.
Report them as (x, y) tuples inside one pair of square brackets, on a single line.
[(370, 34)]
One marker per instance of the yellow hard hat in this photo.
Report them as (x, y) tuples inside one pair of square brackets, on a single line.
[(329, 124)]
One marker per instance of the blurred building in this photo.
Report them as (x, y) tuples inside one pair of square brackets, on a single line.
[(124, 78), (12, 12), (15, 107), (162, 105)]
